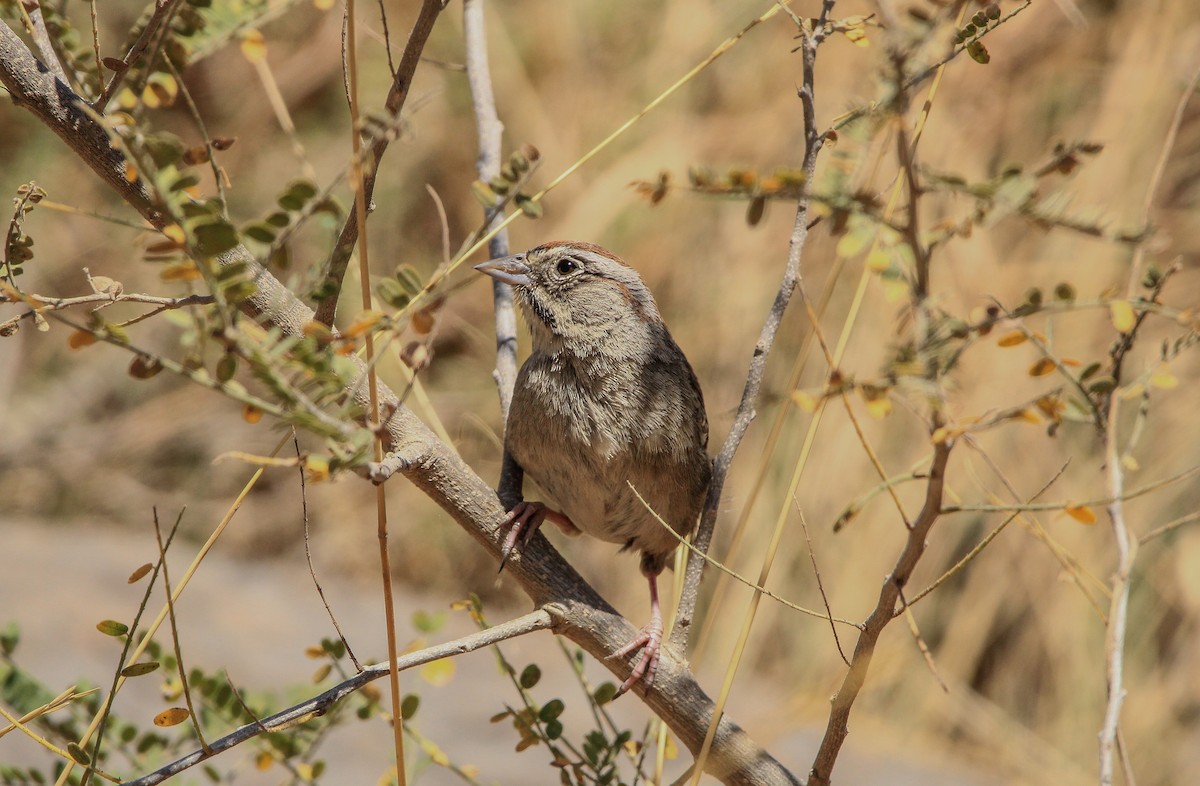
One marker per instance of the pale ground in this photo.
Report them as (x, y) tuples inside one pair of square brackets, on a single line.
[(255, 619)]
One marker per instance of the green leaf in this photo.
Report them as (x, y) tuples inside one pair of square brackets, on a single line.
[(530, 676), (551, 710), (112, 628), (605, 693), (138, 669), (409, 705), (214, 236), (528, 206)]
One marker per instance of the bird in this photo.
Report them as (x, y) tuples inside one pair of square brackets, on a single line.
[(606, 403)]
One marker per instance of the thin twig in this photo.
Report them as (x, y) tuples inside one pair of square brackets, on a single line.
[(163, 10), (187, 693), (812, 556), (312, 570), (396, 97), (321, 704), (359, 216)]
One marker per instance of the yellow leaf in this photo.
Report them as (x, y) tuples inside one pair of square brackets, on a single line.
[(1081, 513), (879, 408), (895, 290), (1122, 315), (254, 47), (470, 770), (1071, 362), (323, 5), (131, 173), (435, 754), (1163, 378), (314, 651), (264, 761), (878, 260), (316, 468), (362, 323), (857, 36), (944, 433), (1130, 463), (439, 672), (174, 233), (180, 271), (806, 401), (1041, 368), (1028, 415), (1012, 339), (304, 771), (171, 717)]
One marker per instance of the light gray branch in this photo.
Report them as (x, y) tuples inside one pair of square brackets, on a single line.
[(490, 131), (319, 705), (578, 611)]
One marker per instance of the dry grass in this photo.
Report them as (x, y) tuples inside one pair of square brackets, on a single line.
[(1014, 637)]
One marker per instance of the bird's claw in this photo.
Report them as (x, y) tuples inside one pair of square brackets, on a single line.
[(649, 641), (522, 521)]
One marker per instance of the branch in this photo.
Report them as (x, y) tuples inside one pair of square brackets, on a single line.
[(578, 611), (746, 413), (884, 612), (490, 131), (321, 704), (396, 97)]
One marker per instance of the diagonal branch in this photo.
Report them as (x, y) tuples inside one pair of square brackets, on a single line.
[(578, 611), (884, 612), (397, 95), (321, 704)]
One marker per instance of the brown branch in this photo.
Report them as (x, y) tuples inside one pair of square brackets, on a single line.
[(163, 11), (490, 131), (397, 95), (578, 611), (813, 141), (32, 10), (884, 612)]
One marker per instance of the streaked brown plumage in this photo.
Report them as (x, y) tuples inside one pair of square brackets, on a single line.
[(606, 399)]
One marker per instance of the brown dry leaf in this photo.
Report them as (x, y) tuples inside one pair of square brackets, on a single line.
[(80, 339), (1081, 513), (362, 323), (137, 574), (1041, 368), (181, 271)]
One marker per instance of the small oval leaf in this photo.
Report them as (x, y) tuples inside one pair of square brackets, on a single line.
[(138, 669), (139, 573), (172, 717), (112, 628)]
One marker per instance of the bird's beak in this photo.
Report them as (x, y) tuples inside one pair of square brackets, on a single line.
[(510, 270)]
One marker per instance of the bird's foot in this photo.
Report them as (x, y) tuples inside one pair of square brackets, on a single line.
[(649, 641), (523, 520)]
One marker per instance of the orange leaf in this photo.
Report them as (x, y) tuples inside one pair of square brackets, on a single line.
[(251, 414), (1081, 513), (1012, 339), (1041, 368), (80, 339), (171, 717)]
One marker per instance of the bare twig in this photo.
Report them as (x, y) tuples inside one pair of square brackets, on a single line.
[(312, 570), (490, 131), (813, 141), (885, 608), (397, 95), (1126, 545), (321, 704), (812, 556), (183, 680)]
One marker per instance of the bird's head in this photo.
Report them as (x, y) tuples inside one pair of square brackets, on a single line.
[(578, 296)]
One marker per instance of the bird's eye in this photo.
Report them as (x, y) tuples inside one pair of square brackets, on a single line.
[(566, 266)]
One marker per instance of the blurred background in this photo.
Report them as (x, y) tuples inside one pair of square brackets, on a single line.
[(85, 451)]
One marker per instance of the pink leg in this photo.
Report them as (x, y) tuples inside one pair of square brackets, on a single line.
[(648, 640), (523, 520)]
